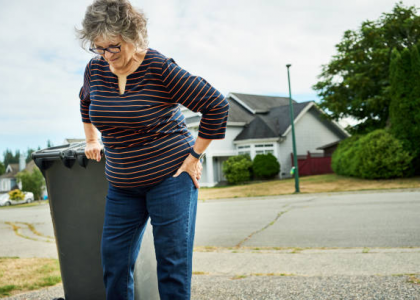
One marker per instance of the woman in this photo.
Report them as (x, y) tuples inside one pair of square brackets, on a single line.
[(131, 94)]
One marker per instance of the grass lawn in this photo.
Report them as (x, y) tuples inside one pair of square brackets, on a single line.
[(307, 184), (35, 203), (19, 275)]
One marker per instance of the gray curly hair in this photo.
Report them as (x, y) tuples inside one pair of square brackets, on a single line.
[(109, 19)]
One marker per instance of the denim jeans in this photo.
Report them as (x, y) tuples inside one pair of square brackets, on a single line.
[(172, 207)]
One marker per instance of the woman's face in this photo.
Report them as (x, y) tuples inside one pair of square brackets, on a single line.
[(116, 60)]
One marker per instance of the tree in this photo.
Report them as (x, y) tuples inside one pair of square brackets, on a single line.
[(404, 108), (356, 81), (32, 182), (28, 154), (9, 158), (2, 168)]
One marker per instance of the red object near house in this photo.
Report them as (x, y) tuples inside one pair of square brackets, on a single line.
[(313, 164)]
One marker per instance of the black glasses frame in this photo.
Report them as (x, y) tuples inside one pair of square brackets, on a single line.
[(101, 51)]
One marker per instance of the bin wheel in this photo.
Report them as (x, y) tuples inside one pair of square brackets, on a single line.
[(58, 299)]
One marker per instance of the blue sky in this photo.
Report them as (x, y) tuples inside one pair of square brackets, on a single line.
[(237, 45)]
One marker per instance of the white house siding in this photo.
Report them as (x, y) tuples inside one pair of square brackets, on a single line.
[(217, 152), (5, 184), (311, 133)]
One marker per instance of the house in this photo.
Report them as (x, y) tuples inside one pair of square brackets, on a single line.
[(8, 180), (261, 124)]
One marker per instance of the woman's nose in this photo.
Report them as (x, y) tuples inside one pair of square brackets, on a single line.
[(108, 54)]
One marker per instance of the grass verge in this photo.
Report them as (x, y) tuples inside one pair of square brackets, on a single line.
[(308, 184), (19, 275), (35, 203)]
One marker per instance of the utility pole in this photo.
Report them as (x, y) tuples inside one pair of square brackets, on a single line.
[(292, 120)]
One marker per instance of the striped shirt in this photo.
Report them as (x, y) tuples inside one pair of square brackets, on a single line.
[(144, 133)]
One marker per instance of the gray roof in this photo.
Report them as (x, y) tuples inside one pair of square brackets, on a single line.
[(263, 116), (260, 103), (237, 113), (15, 170), (273, 124), (30, 166), (329, 145)]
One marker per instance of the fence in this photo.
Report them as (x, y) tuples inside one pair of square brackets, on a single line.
[(313, 164)]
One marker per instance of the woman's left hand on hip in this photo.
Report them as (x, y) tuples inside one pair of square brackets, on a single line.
[(193, 167)]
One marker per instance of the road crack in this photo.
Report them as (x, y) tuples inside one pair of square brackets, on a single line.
[(265, 227)]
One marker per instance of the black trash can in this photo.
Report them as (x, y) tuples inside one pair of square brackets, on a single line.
[(77, 190)]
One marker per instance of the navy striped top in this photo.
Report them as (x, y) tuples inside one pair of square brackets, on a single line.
[(144, 133)]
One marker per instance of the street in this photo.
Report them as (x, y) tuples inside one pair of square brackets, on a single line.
[(315, 246)]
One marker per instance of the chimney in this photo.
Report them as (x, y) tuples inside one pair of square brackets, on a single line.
[(22, 163)]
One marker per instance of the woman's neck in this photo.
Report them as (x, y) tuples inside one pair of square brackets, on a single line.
[(135, 61)]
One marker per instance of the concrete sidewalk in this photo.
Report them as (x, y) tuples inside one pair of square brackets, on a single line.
[(353, 273)]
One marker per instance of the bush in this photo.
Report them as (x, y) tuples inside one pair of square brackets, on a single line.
[(377, 155), (16, 195), (32, 182), (265, 166), (344, 160), (237, 169)]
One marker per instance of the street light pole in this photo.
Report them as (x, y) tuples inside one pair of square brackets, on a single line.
[(296, 169)]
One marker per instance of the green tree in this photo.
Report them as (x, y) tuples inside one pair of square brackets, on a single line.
[(404, 108), (415, 100), (356, 81), (32, 182), (10, 158), (2, 168), (28, 154), (237, 169)]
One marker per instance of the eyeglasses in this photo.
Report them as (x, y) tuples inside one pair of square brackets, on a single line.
[(110, 49)]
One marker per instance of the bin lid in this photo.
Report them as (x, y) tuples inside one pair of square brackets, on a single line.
[(67, 153)]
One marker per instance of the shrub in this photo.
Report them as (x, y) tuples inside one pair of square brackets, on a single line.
[(265, 166), (16, 195), (377, 155), (237, 169), (344, 160), (32, 182)]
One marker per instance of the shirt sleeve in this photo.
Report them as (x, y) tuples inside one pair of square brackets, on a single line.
[(198, 95), (84, 95)]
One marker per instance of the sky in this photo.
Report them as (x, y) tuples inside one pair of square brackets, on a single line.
[(238, 46)]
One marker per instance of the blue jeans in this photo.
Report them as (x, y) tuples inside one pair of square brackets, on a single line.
[(172, 207)]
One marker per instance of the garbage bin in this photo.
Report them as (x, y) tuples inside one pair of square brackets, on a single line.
[(77, 190)]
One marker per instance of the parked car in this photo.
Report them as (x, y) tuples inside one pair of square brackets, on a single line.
[(29, 197), (6, 201)]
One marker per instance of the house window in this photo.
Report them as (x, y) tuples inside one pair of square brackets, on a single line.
[(246, 149), (264, 148), (255, 149)]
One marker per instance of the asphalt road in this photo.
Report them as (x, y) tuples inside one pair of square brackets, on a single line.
[(363, 245)]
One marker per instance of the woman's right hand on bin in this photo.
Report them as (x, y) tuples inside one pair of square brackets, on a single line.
[(93, 150)]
